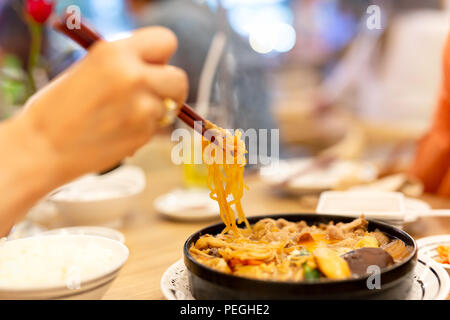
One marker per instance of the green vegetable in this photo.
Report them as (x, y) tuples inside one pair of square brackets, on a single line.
[(304, 252), (310, 273)]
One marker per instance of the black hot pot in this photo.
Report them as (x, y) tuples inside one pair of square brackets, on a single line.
[(209, 284)]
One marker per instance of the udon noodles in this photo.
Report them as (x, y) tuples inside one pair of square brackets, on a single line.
[(225, 160), (279, 249)]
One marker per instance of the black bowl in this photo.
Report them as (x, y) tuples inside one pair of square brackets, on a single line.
[(209, 284)]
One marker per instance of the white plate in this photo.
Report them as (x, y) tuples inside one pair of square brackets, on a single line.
[(317, 180), (175, 283), (427, 247), (187, 205), (431, 282)]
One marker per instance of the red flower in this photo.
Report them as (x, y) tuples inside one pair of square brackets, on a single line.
[(39, 10)]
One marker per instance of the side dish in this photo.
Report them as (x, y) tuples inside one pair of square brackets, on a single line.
[(443, 254)]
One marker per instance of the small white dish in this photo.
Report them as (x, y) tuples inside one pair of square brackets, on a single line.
[(431, 282), (427, 247), (100, 199), (387, 206), (59, 267), (282, 175), (89, 231), (187, 205)]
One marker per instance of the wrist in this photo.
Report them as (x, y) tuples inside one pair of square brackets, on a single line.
[(26, 173), (30, 164)]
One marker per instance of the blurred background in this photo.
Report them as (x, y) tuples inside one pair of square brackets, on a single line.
[(312, 68)]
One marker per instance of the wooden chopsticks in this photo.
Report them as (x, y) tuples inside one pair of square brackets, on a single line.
[(86, 36)]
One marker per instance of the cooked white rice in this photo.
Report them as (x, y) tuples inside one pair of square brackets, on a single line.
[(54, 261)]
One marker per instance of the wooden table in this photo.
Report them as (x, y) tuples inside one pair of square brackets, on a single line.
[(155, 243)]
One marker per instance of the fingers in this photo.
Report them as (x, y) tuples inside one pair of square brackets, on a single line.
[(153, 44), (147, 108), (167, 82)]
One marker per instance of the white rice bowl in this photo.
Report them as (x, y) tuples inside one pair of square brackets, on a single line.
[(64, 262)]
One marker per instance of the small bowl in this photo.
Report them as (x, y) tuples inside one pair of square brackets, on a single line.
[(82, 287), (100, 200), (89, 231), (427, 247)]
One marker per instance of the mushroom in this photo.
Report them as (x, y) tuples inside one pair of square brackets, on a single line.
[(359, 260)]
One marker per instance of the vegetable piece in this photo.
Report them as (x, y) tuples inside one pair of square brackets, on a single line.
[(331, 264), (397, 249), (367, 242), (444, 254), (234, 262), (253, 262), (310, 273)]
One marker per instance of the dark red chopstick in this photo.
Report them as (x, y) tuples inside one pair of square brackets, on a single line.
[(86, 36)]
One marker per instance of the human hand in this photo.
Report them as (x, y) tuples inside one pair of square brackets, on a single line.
[(109, 104)]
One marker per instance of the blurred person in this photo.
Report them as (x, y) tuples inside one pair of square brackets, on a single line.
[(99, 111), (432, 161), (401, 88), (390, 98)]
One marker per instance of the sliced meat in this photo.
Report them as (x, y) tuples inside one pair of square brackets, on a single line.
[(209, 242), (334, 233), (281, 223), (281, 235), (303, 236), (359, 223), (301, 225)]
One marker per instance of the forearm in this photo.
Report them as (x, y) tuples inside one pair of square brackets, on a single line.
[(29, 169)]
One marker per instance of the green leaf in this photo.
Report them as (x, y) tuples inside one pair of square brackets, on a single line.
[(310, 273)]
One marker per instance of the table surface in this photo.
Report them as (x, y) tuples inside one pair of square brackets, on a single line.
[(155, 243)]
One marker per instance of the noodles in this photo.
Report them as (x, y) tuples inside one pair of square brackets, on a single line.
[(225, 160)]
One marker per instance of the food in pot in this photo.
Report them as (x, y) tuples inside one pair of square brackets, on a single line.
[(281, 250)]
